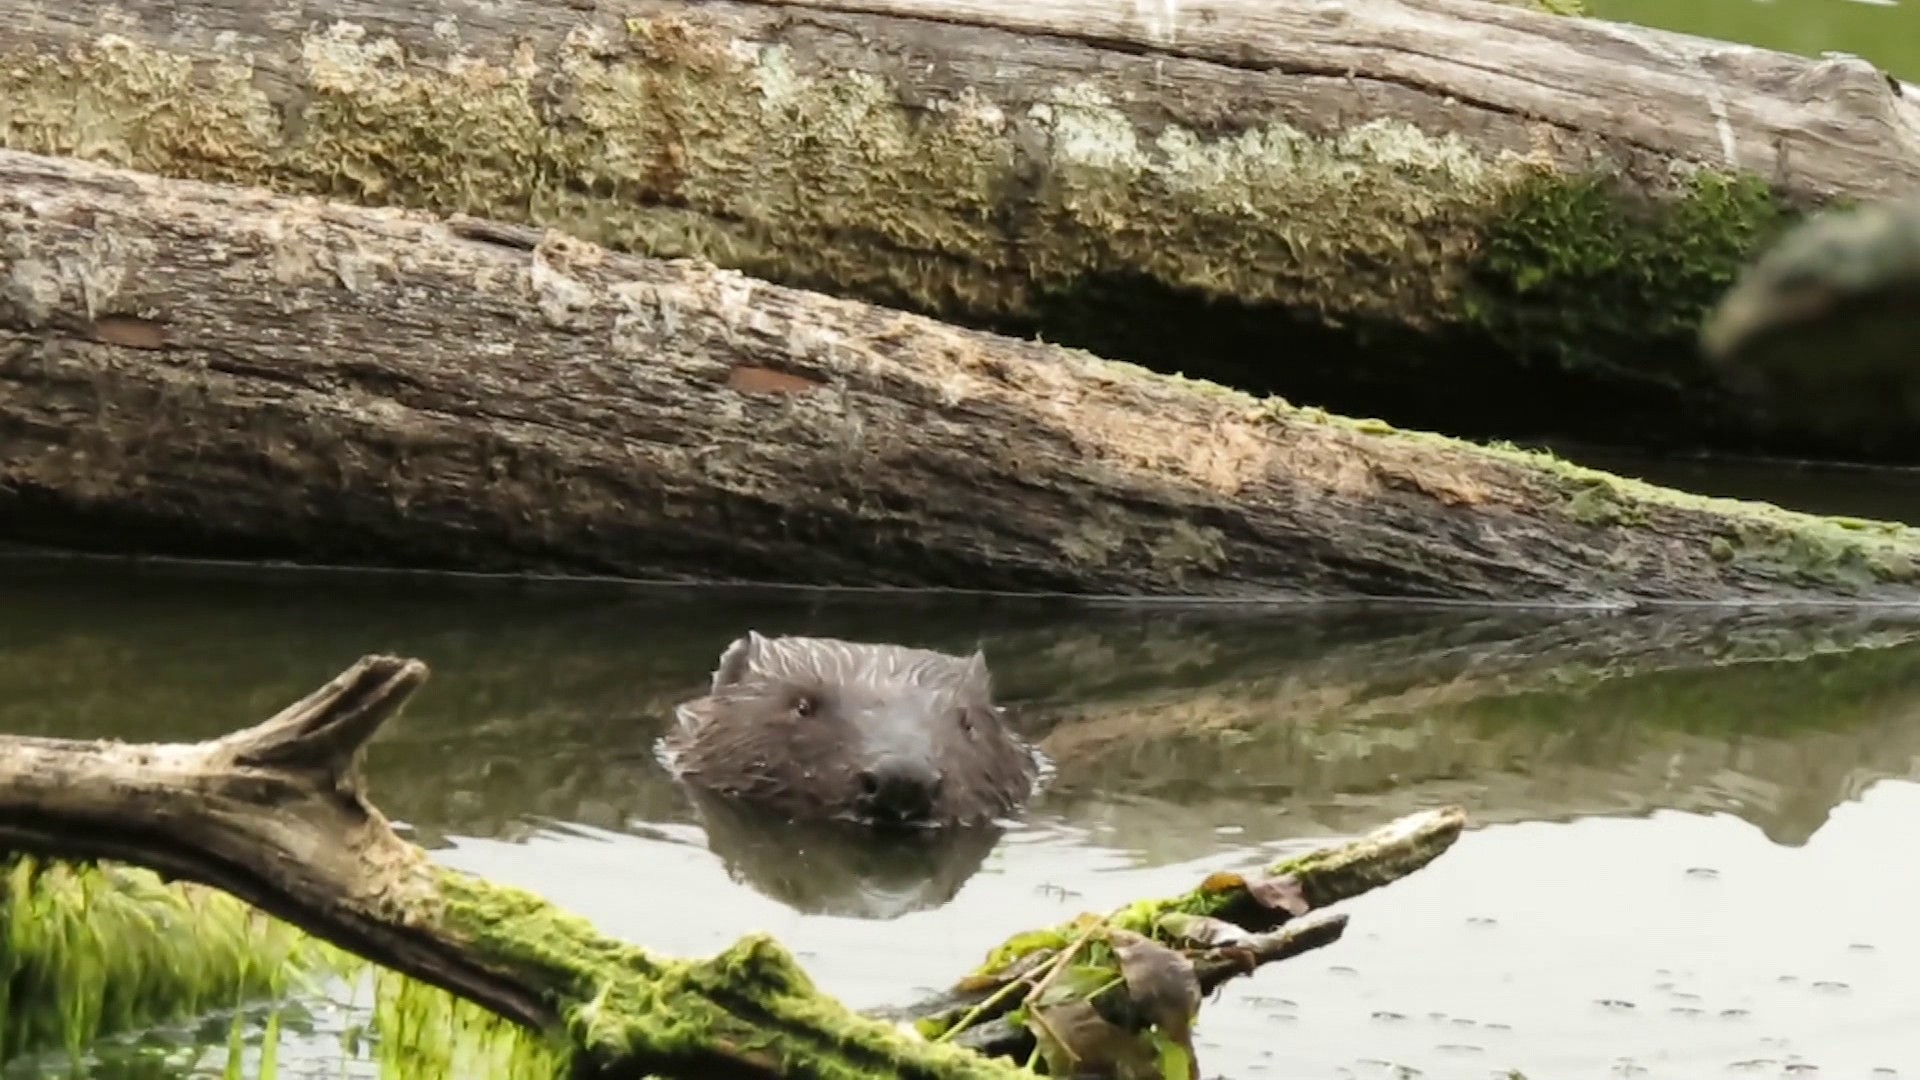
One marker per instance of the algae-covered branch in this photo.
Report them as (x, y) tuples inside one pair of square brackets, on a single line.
[(276, 815), (1461, 216), (207, 369)]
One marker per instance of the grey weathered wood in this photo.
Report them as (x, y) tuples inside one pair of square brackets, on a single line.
[(198, 368), (1094, 170)]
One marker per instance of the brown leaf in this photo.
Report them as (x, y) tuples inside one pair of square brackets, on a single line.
[(1160, 981), (1076, 1040)]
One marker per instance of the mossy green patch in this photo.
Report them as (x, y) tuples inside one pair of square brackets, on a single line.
[(619, 1002), (1324, 876), (1596, 501), (1584, 272)]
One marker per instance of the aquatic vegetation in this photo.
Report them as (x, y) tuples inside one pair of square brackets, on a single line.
[(421, 1030), (94, 950), (97, 950)]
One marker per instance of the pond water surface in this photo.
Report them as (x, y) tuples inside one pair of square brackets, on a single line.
[(1691, 843)]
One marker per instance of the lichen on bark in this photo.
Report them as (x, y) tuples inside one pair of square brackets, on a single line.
[(1382, 252)]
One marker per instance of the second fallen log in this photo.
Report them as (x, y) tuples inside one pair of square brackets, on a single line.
[(211, 370)]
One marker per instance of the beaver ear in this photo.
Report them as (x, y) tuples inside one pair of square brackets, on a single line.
[(974, 674), (737, 660)]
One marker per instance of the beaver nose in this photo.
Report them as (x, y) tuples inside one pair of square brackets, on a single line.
[(899, 791)]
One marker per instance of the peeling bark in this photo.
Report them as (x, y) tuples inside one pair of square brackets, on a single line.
[(205, 369), (1457, 215)]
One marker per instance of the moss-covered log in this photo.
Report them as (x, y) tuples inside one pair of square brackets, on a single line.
[(276, 815), (203, 368), (1460, 216)]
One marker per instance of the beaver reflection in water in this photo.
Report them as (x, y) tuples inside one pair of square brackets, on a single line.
[(819, 728)]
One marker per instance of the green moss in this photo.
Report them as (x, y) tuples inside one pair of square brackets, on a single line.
[(618, 1001), (94, 950), (1795, 548), (1585, 273), (1596, 501)]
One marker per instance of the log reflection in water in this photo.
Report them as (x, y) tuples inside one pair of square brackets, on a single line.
[(1165, 724)]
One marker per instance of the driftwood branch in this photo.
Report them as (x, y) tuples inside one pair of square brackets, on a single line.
[(276, 815), (206, 369), (1528, 214), (271, 815)]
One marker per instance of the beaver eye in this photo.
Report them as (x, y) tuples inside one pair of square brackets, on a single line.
[(803, 705), (966, 721)]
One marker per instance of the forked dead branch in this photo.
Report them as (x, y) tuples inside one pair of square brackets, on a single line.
[(276, 814)]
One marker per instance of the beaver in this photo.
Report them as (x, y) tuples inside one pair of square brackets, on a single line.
[(817, 728)]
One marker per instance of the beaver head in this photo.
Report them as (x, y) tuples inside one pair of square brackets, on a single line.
[(819, 728)]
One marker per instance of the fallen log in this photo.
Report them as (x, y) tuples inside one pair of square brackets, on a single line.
[(199, 369), (1460, 216), (277, 815)]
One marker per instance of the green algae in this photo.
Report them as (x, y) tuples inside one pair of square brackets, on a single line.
[(97, 950)]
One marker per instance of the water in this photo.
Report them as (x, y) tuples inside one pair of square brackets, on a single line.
[(1885, 32), (1691, 831)]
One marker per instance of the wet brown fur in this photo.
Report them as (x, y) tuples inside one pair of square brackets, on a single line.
[(781, 728)]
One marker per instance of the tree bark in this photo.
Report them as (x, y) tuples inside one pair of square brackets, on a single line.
[(1457, 215), (204, 369), (276, 815)]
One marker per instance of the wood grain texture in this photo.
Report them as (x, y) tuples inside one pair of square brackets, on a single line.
[(290, 377), (1454, 214)]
